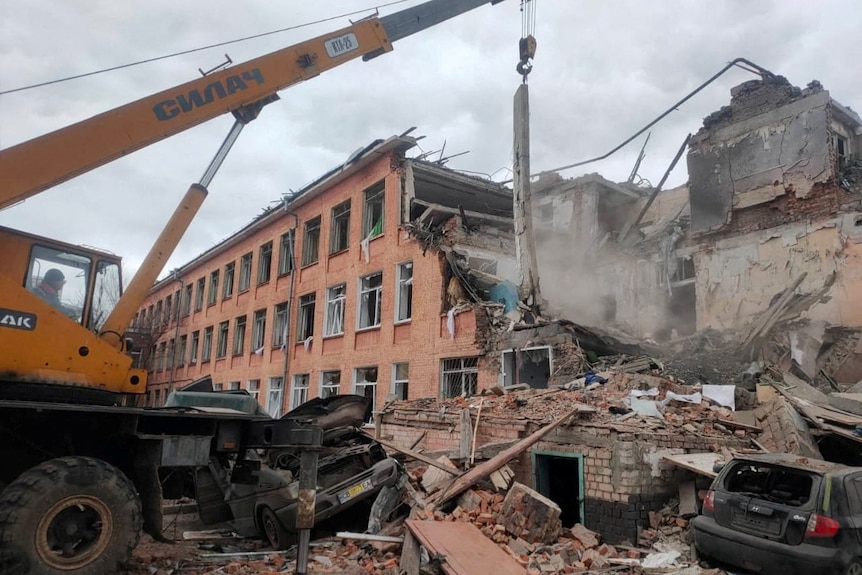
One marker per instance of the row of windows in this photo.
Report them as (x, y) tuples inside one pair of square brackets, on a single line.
[(458, 376), (180, 303), (175, 353)]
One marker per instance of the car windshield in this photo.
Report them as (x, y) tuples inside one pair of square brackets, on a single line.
[(788, 486)]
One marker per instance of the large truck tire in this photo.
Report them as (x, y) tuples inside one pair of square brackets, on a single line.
[(68, 516)]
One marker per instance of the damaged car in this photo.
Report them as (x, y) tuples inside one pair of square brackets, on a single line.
[(782, 513), (258, 496)]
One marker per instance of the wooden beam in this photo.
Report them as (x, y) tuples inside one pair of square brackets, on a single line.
[(415, 455)]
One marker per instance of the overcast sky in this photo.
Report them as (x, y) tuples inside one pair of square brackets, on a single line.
[(603, 69)]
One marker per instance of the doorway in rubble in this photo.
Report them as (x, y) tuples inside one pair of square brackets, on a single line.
[(559, 476)]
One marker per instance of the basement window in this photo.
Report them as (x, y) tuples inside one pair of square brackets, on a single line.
[(459, 376)]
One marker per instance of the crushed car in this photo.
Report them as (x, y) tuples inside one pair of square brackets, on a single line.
[(782, 513), (258, 495)]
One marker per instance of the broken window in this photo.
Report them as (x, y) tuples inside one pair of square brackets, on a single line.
[(239, 336), (841, 151), (258, 330), (167, 318), (285, 255), (199, 298), (404, 292), (253, 388), (187, 300), (372, 218), (339, 233), (245, 272), (196, 342), (279, 331), (274, 398), (299, 390), (683, 271), (305, 318), (264, 263), (221, 345), (400, 377), (370, 291), (365, 384), (228, 280), (213, 288), (530, 366), (777, 484), (207, 348), (330, 383), (334, 322), (181, 353), (459, 376), (311, 241)]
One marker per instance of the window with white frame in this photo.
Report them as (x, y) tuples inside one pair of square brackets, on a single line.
[(311, 241), (234, 386), (196, 344), (330, 383), (339, 232), (217, 387), (279, 329), (400, 378), (530, 366), (207, 348), (285, 254), (245, 272), (459, 376), (275, 397), (305, 318), (239, 335), (213, 288), (258, 330), (221, 344), (199, 295), (253, 388), (264, 263), (365, 384), (299, 390), (404, 291), (372, 218), (334, 321), (229, 271), (370, 292)]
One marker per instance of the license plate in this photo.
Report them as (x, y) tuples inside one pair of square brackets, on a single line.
[(349, 494)]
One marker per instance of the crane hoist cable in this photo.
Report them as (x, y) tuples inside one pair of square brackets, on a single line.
[(527, 44)]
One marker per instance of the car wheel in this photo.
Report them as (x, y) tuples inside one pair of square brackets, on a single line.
[(855, 568), (277, 536)]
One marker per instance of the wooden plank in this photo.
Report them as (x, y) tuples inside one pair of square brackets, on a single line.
[(700, 463), (415, 455), (484, 469), (410, 560), (465, 549), (465, 437)]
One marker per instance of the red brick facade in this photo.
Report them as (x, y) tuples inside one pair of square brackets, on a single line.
[(422, 342)]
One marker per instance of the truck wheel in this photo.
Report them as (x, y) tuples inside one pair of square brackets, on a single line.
[(277, 536), (68, 516)]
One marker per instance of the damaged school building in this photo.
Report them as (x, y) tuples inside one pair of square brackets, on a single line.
[(396, 278)]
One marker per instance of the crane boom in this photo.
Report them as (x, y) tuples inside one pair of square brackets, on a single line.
[(38, 164)]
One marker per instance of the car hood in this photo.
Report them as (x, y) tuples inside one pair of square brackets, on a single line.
[(334, 411)]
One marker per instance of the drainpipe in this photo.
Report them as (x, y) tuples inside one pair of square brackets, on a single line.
[(291, 243), (178, 303)]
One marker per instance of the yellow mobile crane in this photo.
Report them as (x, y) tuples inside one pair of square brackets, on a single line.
[(81, 472)]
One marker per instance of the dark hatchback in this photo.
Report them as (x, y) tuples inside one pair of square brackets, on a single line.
[(781, 513)]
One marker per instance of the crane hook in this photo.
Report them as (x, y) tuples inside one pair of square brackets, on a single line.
[(527, 50)]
